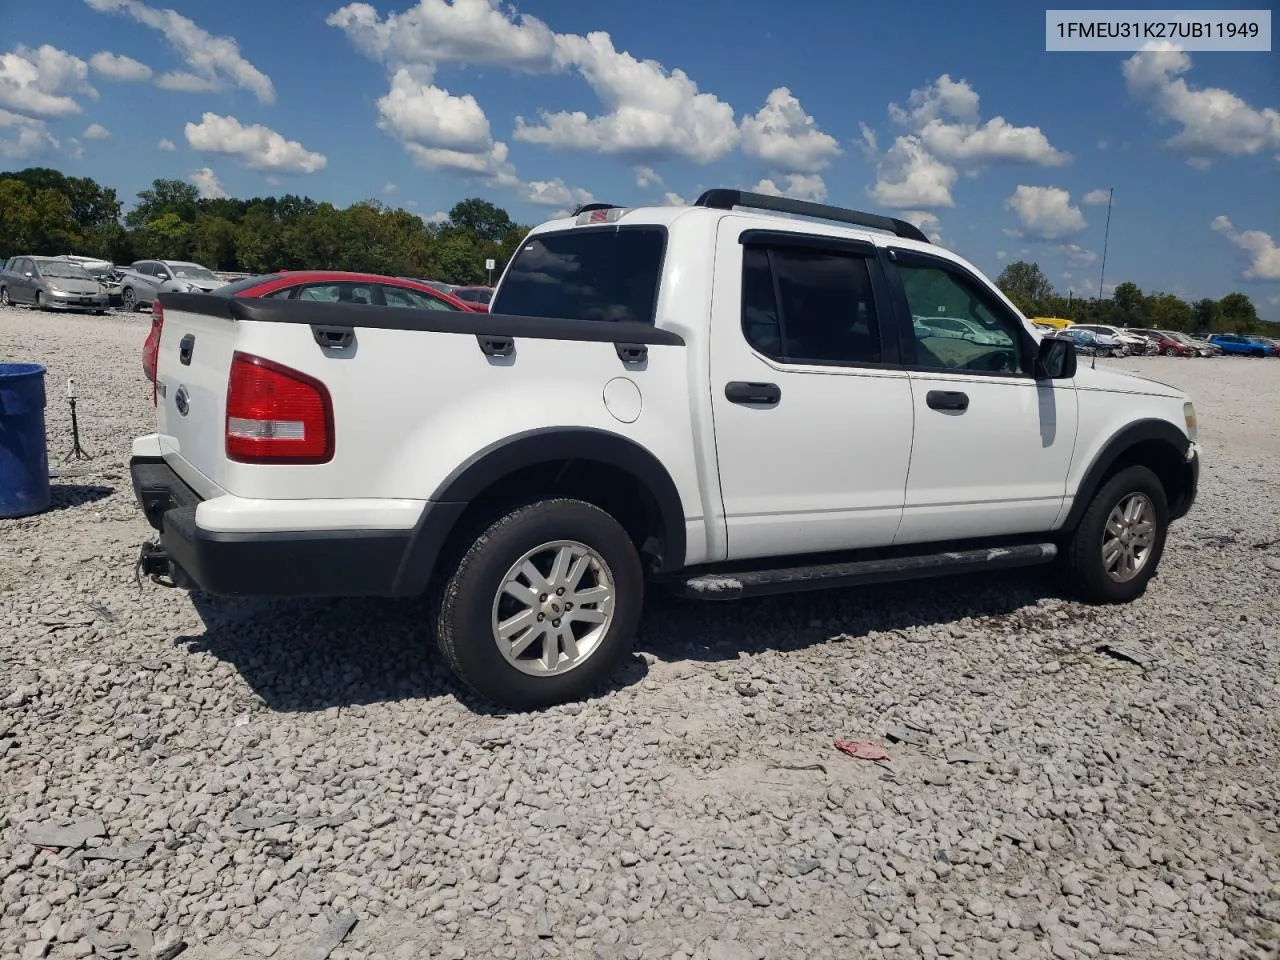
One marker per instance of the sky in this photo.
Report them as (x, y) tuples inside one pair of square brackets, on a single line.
[(951, 115)]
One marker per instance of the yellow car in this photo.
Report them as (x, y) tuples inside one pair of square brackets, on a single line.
[(1058, 323)]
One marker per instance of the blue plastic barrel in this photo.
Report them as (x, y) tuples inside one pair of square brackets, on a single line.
[(24, 456)]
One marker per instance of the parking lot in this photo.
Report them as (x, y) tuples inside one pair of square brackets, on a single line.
[(1063, 781)]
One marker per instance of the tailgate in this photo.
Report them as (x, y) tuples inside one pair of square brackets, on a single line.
[(192, 368)]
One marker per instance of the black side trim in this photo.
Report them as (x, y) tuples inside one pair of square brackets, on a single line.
[(373, 317), (1138, 432), (788, 238), (755, 583), (724, 199), (550, 444)]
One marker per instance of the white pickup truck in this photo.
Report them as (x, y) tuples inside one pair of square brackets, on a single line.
[(714, 397)]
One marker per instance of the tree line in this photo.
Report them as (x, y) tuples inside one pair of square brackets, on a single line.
[(44, 212), (1027, 286)]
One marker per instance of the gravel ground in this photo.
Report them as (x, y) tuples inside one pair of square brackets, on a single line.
[(248, 778)]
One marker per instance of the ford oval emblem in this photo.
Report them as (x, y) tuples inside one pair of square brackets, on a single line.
[(182, 400)]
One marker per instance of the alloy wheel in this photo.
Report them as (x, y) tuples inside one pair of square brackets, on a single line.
[(1127, 538), (553, 608)]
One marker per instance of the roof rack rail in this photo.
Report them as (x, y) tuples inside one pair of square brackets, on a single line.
[(725, 199), (588, 207)]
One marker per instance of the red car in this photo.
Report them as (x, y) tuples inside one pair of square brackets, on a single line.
[(475, 297), (1167, 345), (322, 286)]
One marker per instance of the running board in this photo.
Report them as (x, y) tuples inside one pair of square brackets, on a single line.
[(755, 583)]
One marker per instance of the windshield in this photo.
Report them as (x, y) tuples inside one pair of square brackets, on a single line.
[(60, 268), (189, 271)]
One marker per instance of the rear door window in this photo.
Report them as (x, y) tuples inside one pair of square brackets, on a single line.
[(338, 293), (605, 274), (413, 299)]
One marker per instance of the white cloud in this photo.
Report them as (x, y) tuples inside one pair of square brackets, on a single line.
[(1215, 122), (1101, 144), (786, 138), (869, 144), (1045, 213), (928, 223), (653, 114), (910, 177), (207, 182), (22, 137), (798, 186), (554, 193), (438, 217), (1076, 255), (1096, 198), (492, 168), (166, 144), (211, 61), (1002, 254), (945, 117), (96, 131), (417, 112), (119, 67), (1264, 255), (436, 31), (256, 146), (945, 135), (647, 177), (43, 82), (75, 149), (388, 187), (996, 141), (1275, 301), (273, 181), (674, 200)]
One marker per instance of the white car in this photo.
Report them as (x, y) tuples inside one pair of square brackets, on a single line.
[(711, 397), (1134, 343)]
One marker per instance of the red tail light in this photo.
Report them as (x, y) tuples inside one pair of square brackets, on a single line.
[(276, 415), (151, 348)]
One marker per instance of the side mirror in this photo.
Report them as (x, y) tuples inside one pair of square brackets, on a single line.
[(1056, 359)]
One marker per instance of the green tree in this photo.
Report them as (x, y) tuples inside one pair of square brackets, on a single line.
[(1026, 285), (1165, 311), (18, 218), (1206, 315), (481, 219), (1237, 314), (1130, 304), (214, 242), (258, 241), (168, 237), (165, 196)]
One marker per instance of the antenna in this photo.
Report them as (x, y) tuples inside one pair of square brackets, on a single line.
[(1101, 276)]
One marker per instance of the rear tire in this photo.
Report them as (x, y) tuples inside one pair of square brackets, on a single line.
[(515, 641), (128, 300), (1115, 549)]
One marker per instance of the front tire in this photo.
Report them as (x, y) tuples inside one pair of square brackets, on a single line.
[(40, 305), (4, 297), (543, 605), (1115, 549)]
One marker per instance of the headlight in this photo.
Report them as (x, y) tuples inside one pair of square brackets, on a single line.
[(1189, 414), (54, 288)]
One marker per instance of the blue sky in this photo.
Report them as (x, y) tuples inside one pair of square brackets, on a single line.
[(952, 115)]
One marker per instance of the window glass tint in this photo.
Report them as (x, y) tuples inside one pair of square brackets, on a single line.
[(957, 325), (413, 299), (809, 306), (606, 275), (337, 292)]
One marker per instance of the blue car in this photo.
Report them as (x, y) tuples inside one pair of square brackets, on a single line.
[(1242, 346)]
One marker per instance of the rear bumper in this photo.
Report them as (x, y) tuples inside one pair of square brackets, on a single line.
[(284, 563)]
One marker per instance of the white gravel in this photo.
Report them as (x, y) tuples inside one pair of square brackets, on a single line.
[(246, 778)]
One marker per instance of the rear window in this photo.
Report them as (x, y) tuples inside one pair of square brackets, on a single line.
[(587, 274)]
